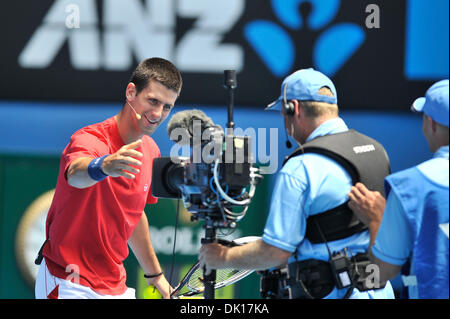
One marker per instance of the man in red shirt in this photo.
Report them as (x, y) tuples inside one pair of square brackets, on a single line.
[(103, 185)]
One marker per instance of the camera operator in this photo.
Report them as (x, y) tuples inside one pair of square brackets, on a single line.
[(309, 185), (415, 214), (103, 185)]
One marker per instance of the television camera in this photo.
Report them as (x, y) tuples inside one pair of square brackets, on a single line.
[(217, 181)]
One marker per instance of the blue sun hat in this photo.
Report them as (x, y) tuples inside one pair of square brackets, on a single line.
[(304, 85), (435, 103)]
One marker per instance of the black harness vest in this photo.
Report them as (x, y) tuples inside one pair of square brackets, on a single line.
[(365, 160)]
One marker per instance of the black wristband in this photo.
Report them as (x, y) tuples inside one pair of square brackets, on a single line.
[(153, 276)]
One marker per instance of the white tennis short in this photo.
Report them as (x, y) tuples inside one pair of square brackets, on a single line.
[(51, 287)]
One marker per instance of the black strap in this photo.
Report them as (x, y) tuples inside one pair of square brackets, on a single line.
[(40, 256), (337, 223), (314, 279), (310, 279)]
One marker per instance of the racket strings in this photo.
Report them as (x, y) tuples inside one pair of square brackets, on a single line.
[(194, 281), (223, 277)]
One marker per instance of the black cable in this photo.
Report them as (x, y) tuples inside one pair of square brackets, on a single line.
[(323, 237)]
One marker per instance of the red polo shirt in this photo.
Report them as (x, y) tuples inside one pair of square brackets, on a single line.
[(89, 228)]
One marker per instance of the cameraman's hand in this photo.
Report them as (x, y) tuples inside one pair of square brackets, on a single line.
[(368, 206), (212, 256), (124, 161)]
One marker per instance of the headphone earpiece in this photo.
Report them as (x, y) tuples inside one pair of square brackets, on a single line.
[(288, 106)]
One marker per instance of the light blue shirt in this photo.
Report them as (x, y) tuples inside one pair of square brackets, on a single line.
[(310, 184), (395, 247)]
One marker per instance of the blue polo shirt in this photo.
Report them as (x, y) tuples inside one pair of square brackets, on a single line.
[(310, 184)]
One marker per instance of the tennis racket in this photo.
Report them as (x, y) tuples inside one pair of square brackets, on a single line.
[(193, 280)]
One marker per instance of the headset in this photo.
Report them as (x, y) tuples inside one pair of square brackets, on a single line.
[(138, 116), (288, 106), (289, 110)]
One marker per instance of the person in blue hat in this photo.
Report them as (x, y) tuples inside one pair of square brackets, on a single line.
[(412, 224), (308, 184)]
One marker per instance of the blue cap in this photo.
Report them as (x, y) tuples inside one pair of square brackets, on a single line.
[(304, 85), (435, 103)]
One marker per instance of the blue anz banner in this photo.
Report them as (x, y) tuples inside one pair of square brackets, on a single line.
[(381, 54)]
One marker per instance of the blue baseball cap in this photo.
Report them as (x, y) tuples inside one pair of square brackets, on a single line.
[(435, 103), (304, 85)]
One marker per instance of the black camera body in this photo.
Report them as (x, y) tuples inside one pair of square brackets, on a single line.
[(200, 184), (174, 177)]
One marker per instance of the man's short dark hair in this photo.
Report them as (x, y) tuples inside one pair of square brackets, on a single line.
[(157, 69)]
